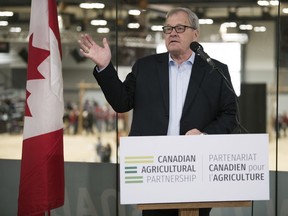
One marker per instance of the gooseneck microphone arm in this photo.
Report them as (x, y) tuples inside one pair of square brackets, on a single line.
[(198, 49)]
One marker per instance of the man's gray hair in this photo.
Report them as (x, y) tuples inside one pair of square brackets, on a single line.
[(193, 18)]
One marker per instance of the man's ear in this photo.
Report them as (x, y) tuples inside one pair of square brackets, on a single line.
[(196, 34)]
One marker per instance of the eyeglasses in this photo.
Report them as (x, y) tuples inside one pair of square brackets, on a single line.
[(178, 28)]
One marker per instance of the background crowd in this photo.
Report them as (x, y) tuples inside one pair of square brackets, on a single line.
[(96, 118)]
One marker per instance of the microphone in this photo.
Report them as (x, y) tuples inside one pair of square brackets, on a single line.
[(198, 49)]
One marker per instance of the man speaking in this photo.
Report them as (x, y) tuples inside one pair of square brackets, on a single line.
[(172, 93)]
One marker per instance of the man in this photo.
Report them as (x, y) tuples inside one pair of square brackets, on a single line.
[(173, 93)]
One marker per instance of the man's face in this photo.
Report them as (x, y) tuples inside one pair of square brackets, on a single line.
[(179, 43)]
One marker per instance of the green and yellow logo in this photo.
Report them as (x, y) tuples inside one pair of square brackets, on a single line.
[(131, 168)]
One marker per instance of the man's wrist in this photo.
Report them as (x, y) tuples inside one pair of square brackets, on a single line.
[(99, 68)]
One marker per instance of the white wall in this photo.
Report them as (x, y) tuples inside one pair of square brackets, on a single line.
[(259, 56)]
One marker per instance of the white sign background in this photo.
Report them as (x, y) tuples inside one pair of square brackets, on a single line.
[(204, 182)]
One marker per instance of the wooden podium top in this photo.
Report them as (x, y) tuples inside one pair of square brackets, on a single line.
[(194, 205), (192, 209)]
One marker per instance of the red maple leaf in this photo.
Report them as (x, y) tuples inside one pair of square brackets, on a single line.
[(35, 57)]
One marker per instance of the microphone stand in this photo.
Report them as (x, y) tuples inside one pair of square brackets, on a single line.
[(230, 87), (198, 49)]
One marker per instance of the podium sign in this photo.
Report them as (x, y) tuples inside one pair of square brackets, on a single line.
[(173, 169)]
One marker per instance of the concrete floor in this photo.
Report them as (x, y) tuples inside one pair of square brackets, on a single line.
[(82, 148)]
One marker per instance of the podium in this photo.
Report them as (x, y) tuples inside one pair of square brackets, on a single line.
[(171, 172), (192, 209)]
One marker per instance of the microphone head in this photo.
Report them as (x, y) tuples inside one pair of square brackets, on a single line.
[(195, 46)]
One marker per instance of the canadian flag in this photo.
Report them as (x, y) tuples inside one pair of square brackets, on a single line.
[(42, 167)]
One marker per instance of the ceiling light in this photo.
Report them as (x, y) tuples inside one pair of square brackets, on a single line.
[(263, 3), (6, 13), (3, 23), (274, 2), (229, 24), (133, 25), (15, 29), (98, 22), (156, 27), (92, 5), (134, 12), (103, 30), (205, 21), (259, 28), (267, 3), (285, 10), (245, 27)]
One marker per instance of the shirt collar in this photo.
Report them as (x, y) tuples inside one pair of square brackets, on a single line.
[(190, 59)]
